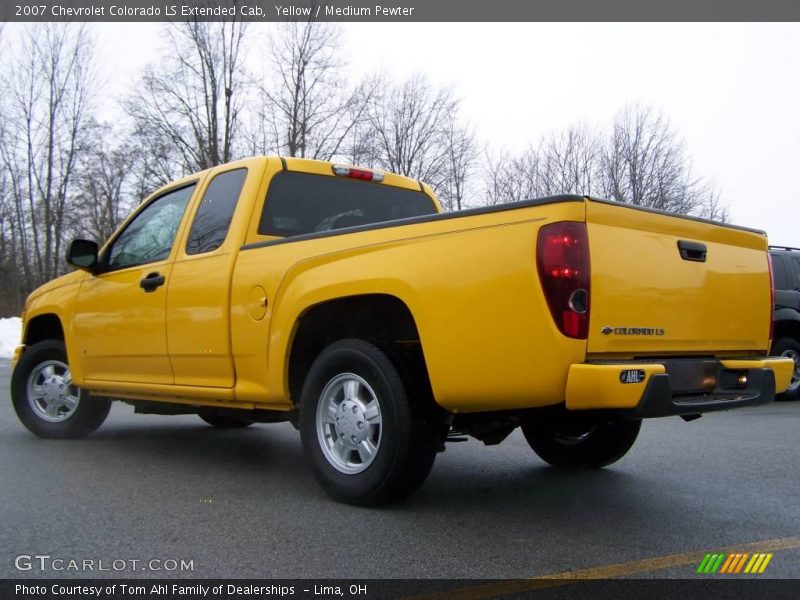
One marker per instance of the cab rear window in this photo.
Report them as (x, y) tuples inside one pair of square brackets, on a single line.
[(302, 203)]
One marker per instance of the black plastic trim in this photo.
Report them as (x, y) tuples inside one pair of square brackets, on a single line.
[(423, 219), (658, 399)]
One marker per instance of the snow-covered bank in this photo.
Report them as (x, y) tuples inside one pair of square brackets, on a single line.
[(10, 333)]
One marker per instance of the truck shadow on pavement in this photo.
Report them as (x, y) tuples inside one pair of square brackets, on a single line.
[(264, 451), (506, 498)]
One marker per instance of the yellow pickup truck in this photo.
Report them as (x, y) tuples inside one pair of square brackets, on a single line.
[(342, 300)]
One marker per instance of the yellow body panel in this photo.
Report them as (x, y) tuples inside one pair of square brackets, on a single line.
[(454, 315), (639, 280), (782, 368), (598, 386), (220, 332), (136, 350), (58, 297), (198, 324)]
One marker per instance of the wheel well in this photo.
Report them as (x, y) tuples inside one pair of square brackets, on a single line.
[(43, 327), (382, 319), (783, 329)]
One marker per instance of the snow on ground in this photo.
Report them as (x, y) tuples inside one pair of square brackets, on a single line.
[(10, 333)]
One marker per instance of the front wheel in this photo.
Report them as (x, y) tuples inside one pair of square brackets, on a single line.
[(368, 441), (46, 400), (572, 443)]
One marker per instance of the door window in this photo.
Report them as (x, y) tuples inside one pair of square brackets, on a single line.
[(149, 237)]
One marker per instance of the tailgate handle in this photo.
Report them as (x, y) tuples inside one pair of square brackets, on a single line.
[(694, 251)]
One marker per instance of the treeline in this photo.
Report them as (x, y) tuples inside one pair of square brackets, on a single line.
[(66, 173)]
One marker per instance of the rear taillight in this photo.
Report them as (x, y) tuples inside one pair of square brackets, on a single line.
[(771, 297), (562, 257)]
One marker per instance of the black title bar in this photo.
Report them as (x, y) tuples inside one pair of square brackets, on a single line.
[(399, 10), (705, 587)]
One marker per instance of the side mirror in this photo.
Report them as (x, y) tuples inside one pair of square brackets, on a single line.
[(83, 254)]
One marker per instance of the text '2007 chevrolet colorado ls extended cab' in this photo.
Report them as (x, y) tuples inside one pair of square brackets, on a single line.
[(342, 300)]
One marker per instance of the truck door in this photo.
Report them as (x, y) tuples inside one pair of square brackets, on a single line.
[(120, 312), (198, 299)]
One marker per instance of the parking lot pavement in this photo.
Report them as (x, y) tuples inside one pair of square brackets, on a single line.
[(243, 504)]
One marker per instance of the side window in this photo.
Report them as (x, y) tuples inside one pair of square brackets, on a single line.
[(213, 218), (779, 272), (149, 237), (794, 284)]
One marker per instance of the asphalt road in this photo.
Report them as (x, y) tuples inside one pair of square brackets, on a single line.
[(242, 504)]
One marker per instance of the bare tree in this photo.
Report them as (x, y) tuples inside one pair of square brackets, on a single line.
[(713, 208), (186, 110), (512, 178), (105, 186), (10, 297), (569, 162), (461, 152), (494, 178), (563, 163), (306, 109), (49, 90), (645, 163), (641, 162), (408, 125)]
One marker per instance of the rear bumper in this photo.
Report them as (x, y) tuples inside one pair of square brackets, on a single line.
[(643, 389)]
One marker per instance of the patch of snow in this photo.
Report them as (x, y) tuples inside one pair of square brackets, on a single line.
[(10, 335)]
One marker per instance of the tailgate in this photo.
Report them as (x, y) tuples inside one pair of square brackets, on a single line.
[(648, 299)]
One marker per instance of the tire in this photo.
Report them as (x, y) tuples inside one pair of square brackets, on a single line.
[(789, 348), (45, 400), (574, 444), (385, 442), (226, 422)]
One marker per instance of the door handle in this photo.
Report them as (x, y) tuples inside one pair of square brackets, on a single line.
[(694, 251), (151, 282)]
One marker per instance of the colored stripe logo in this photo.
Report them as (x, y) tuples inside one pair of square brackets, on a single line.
[(734, 563)]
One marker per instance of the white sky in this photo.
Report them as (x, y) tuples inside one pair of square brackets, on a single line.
[(732, 91)]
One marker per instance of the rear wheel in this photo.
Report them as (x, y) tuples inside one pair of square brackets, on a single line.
[(368, 441), (789, 348), (226, 422), (46, 400), (572, 443)]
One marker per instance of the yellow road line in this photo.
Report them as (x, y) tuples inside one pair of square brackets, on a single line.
[(504, 588)]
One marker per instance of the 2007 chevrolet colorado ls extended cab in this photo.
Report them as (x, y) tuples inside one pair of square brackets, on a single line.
[(340, 299)]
